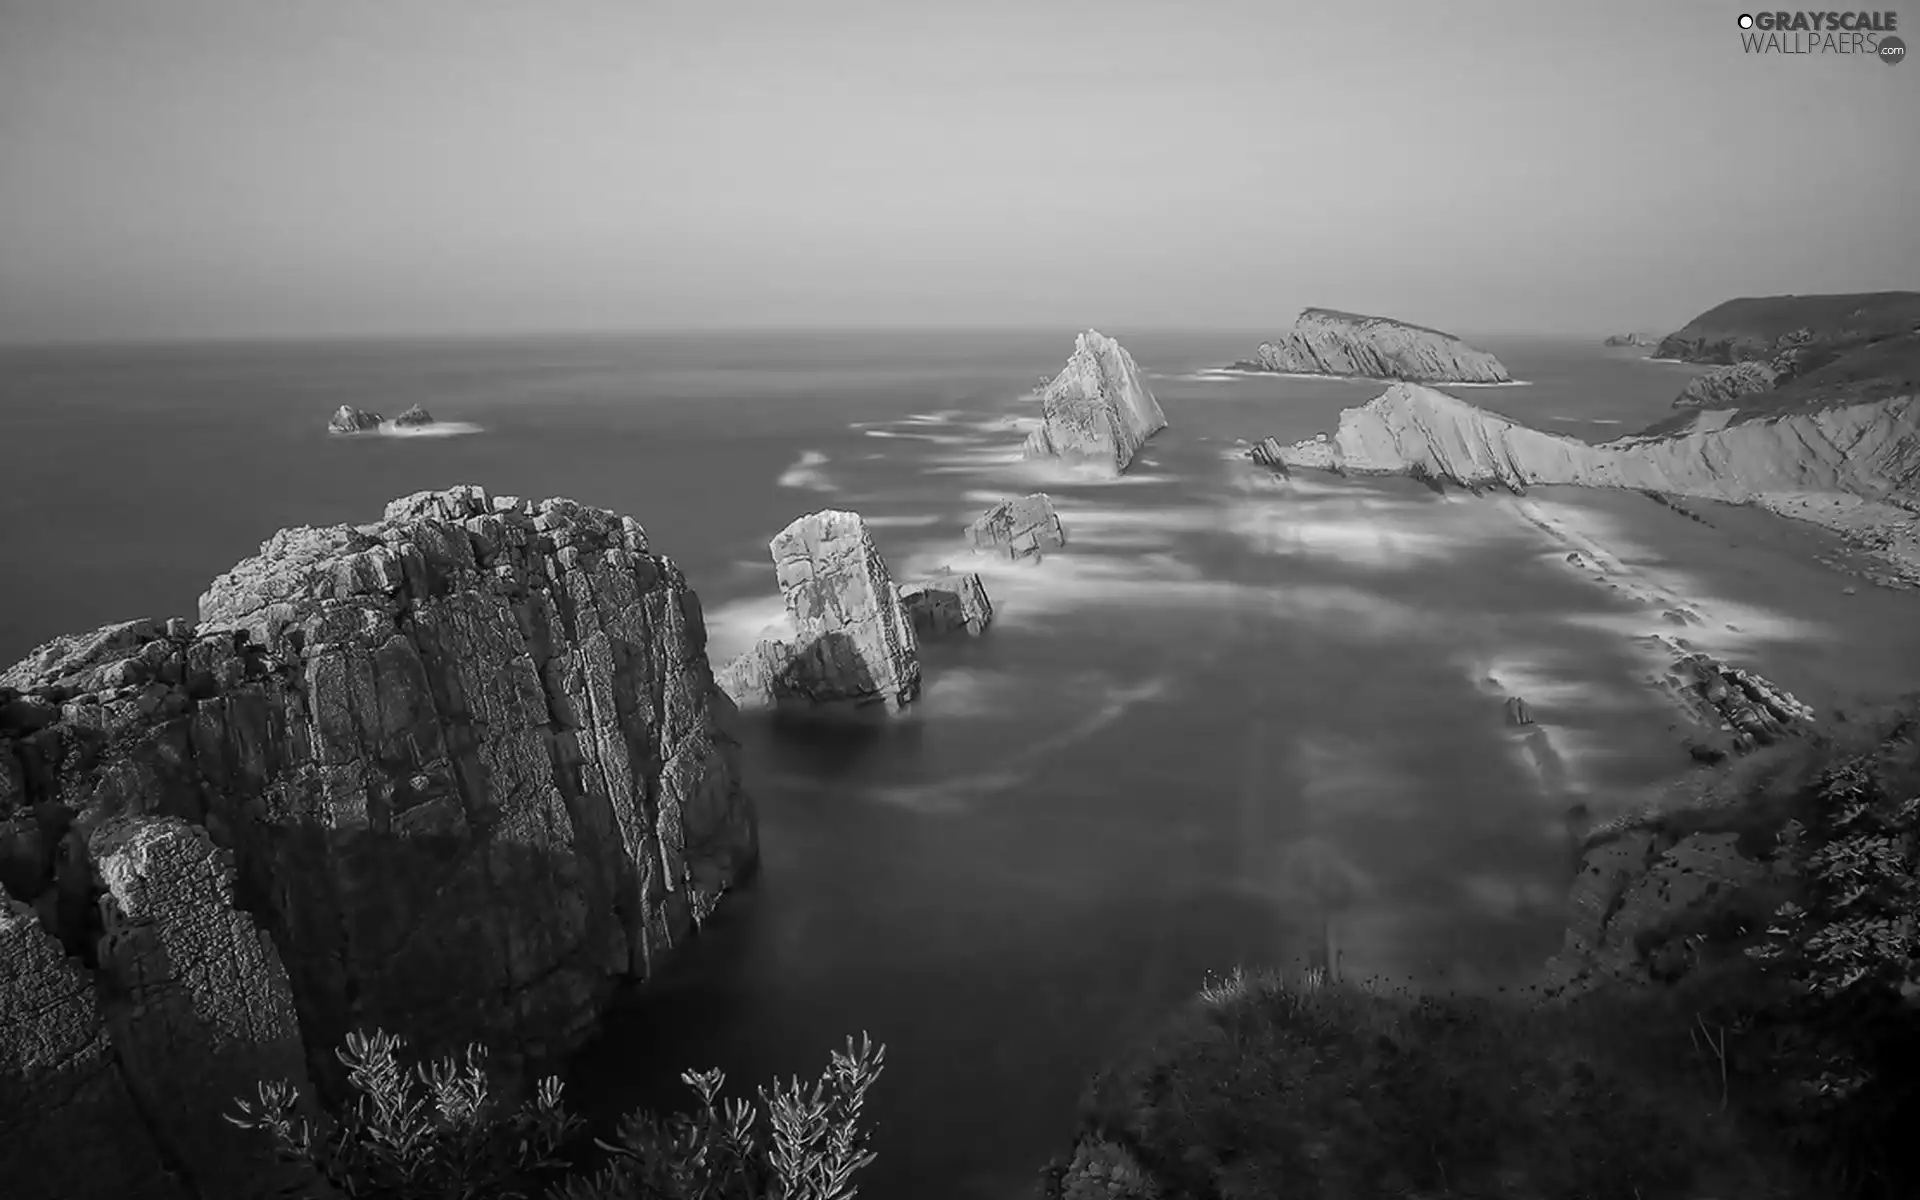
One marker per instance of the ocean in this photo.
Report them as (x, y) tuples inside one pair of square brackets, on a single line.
[(1238, 719)]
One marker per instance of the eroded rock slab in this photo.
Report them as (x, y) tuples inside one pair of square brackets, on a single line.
[(1098, 411), (846, 638), (1022, 528), (948, 602)]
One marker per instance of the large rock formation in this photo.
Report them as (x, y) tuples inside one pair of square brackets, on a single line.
[(466, 765), (413, 417), (1726, 384), (948, 601), (846, 638), (1324, 341), (1025, 527), (348, 419), (1632, 339), (1098, 410), (1811, 330)]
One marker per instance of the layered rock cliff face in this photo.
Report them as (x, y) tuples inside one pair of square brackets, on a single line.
[(1098, 411), (1854, 467), (465, 766), (1326, 342), (846, 638)]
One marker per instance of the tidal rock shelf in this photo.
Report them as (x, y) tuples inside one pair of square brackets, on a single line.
[(458, 773)]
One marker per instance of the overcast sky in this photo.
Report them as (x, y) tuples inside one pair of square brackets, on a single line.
[(181, 168)]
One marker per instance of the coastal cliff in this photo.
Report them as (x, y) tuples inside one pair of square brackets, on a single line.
[(1324, 341), (457, 774), (1854, 467), (1098, 411), (1812, 330)]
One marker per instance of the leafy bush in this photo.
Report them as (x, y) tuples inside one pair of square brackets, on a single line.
[(439, 1133)]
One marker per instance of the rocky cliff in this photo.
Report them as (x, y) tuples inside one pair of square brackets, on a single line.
[(457, 773), (1326, 342), (846, 638), (1725, 385), (1098, 411), (1852, 466)]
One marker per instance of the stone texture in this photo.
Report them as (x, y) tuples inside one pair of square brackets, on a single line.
[(1022, 528), (846, 638), (947, 602), (1727, 384), (466, 760), (414, 416), (1324, 341), (1098, 411), (348, 419)]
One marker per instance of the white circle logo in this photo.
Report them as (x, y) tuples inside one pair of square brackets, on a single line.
[(1746, 21)]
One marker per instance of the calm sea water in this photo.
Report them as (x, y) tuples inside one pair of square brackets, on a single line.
[(1237, 714)]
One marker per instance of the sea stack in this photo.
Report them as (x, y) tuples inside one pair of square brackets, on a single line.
[(413, 417), (1023, 528), (457, 774), (1098, 411), (846, 639), (948, 602), (1324, 341), (348, 419)]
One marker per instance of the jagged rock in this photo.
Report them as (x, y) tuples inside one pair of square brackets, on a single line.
[(1098, 410), (414, 416), (1726, 384), (1022, 528), (1752, 711), (1518, 712), (466, 760), (948, 601), (1270, 454), (348, 419), (846, 638), (1632, 339), (196, 1002), (1324, 341)]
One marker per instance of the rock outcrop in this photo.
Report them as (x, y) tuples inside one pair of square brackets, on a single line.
[(846, 638), (1269, 453), (1324, 341), (1738, 710), (465, 766), (1726, 384), (1632, 339), (348, 419), (413, 417), (947, 602), (1025, 527), (1098, 411)]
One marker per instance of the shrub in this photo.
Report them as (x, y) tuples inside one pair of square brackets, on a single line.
[(439, 1133)]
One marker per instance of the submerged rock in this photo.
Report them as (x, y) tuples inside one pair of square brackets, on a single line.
[(846, 637), (1025, 527), (1324, 341), (414, 416), (348, 419), (466, 763), (1726, 384), (1098, 410), (948, 601)]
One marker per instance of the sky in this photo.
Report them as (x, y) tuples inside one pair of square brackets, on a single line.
[(284, 168)]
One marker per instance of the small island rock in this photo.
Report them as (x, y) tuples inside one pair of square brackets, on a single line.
[(348, 419), (1098, 410)]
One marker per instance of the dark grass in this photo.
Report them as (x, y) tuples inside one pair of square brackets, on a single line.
[(1296, 1090)]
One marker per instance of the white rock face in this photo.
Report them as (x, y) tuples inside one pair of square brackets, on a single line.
[(1099, 411), (1326, 342), (1869, 450)]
